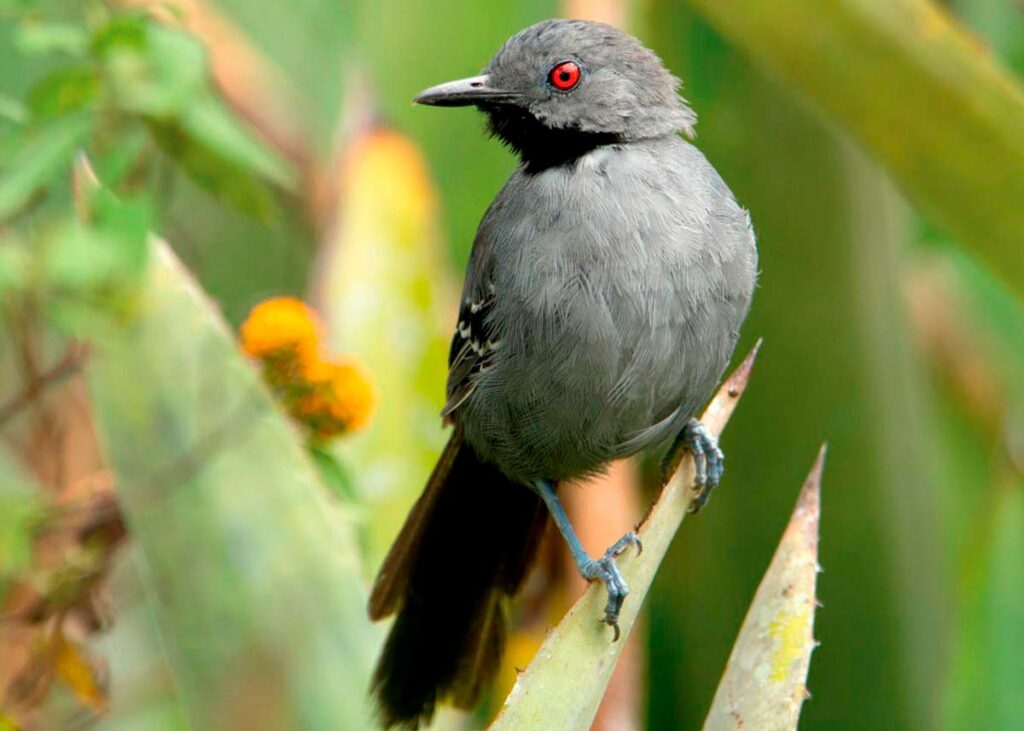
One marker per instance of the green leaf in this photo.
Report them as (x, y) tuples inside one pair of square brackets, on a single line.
[(255, 581), (79, 258), (64, 91), (125, 31), (37, 38), (765, 680), (45, 155), (161, 75), (106, 253), (334, 475), (913, 87), (153, 70), (984, 689), (999, 23), (115, 164), (210, 124), (210, 170), (12, 110), (15, 7)]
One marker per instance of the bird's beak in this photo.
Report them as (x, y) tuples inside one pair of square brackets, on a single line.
[(475, 90)]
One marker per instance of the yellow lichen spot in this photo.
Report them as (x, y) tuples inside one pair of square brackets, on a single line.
[(791, 634), (282, 326)]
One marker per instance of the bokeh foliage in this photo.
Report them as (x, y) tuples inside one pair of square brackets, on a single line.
[(889, 328)]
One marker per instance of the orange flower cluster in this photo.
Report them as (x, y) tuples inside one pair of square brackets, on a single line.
[(328, 397)]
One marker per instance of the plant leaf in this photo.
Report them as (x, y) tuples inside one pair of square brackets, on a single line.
[(984, 688), (334, 475), (217, 175), (880, 67), (253, 575), (161, 75), (38, 38), (563, 685), (209, 122), (64, 91), (42, 157), (152, 70), (107, 252), (764, 685)]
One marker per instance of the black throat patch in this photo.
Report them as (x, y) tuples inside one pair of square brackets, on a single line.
[(541, 147)]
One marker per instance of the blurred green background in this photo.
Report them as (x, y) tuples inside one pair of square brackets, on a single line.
[(890, 331)]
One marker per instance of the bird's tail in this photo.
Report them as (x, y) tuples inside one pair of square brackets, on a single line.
[(463, 551)]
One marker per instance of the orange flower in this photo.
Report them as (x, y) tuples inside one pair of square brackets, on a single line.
[(282, 326), (354, 393), (328, 397), (341, 399)]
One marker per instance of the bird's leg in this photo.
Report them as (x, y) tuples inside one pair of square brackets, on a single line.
[(708, 460), (603, 569)]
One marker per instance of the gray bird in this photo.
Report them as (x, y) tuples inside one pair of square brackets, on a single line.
[(603, 298)]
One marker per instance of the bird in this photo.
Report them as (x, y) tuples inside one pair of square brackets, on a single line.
[(603, 298)]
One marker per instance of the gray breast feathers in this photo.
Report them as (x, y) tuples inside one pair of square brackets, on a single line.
[(601, 305)]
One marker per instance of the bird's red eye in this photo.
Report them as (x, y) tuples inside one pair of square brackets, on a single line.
[(565, 75)]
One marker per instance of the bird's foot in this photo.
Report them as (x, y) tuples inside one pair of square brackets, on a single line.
[(603, 569), (708, 460), (606, 571)]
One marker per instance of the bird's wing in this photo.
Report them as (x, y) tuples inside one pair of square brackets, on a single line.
[(473, 345)]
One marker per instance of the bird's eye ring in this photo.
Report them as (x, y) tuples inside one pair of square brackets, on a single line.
[(565, 75)]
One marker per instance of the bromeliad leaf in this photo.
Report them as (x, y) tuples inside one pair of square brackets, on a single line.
[(239, 541), (764, 684)]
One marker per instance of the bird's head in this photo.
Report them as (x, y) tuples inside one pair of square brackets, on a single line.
[(562, 87)]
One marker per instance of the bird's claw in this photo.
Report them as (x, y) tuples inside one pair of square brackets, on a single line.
[(708, 460), (607, 572), (620, 546)]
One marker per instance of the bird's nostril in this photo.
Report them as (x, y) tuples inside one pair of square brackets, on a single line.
[(476, 84)]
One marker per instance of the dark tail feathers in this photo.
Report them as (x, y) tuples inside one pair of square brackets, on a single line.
[(463, 551)]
